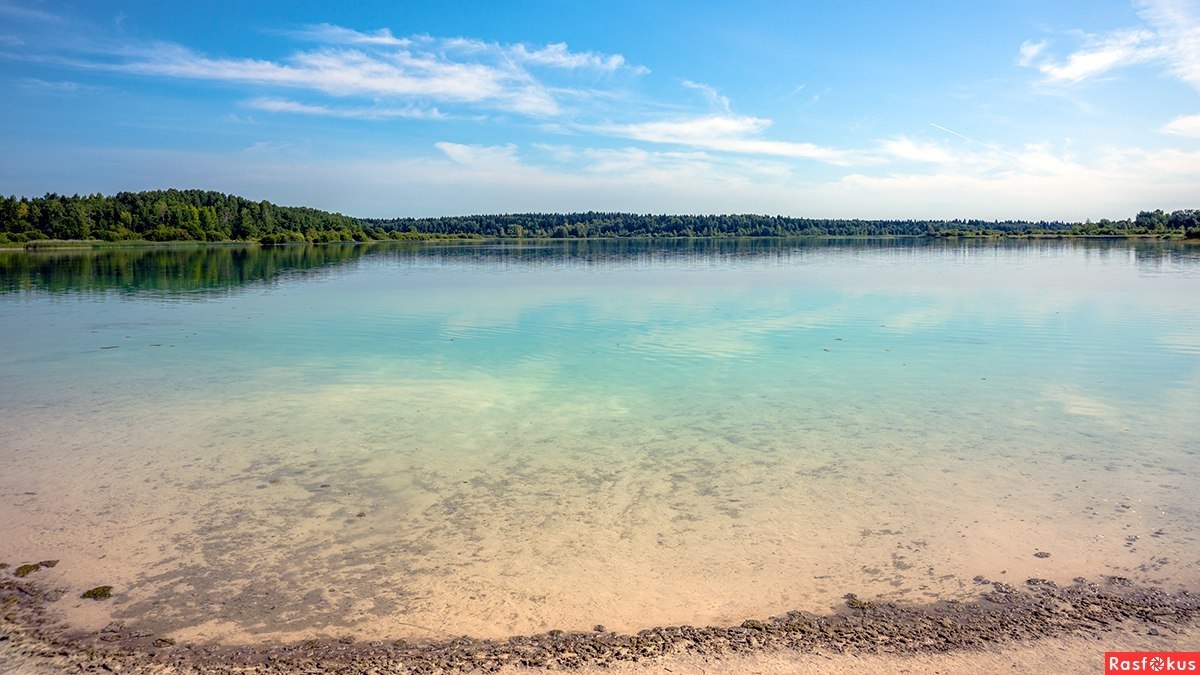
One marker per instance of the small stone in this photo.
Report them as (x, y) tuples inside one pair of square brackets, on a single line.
[(1152, 631), (1041, 554), (361, 514), (164, 642), (599, 628), (48, 563)]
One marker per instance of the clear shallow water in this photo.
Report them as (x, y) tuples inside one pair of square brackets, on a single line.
[(562, 435)]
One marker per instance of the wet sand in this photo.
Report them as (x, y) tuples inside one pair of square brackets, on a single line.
[(1038, 626)]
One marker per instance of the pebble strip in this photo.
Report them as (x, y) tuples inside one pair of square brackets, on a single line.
[(1003, 613)]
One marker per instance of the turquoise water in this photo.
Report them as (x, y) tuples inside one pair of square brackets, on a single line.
[(567, 434)]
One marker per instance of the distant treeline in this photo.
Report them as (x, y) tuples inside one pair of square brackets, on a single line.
[(198, 215), (594, 224)]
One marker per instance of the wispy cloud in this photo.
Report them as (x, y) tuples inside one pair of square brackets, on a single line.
[(714, 97), (1171, 37), (1177, 23), (1030, 51), (33, 83), (558, 56), (492, 157), (280, 105), (1101, 55), (908, 149), (350, 72), (554, 55), (414, 72), (723, 133), (19, 12), (327, 33), (1186, 125)]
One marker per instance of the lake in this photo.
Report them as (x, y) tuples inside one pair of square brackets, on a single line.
[(403, 440)]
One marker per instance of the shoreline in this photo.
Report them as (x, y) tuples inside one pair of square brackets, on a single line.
[(1003, 616)]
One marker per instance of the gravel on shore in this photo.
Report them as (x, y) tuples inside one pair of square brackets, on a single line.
[(30, 640)]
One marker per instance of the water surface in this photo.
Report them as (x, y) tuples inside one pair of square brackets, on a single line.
[(416, 441)]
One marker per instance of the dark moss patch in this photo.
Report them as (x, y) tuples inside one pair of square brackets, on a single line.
[(26, 570), (854, 602), (98, 593)]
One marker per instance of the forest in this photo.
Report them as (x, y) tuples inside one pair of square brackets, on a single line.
[(208, 216)]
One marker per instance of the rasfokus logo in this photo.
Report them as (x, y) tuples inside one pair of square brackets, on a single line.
[(1151, 662)]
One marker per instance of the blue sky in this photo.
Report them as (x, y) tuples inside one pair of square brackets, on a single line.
[(1006, 109)]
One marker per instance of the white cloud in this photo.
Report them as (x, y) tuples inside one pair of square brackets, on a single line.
[(1113, 183), (1030, 51), (331, 34), (723, 133), (348, 72), (1185, 125), (279, 105), (905, 148), (1177, 23), (415, 70), (713, 96), (637, 161), (491, 157), (1119, 49), (554, 55), (558, 56), (1171, 38)]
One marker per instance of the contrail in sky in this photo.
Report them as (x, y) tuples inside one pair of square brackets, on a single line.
[(972, 140)]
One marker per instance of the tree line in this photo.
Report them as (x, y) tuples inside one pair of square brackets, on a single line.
[(198, 215), (599, 225)]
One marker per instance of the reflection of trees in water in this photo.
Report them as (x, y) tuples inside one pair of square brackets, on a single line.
[(192, 270), (164, 271)]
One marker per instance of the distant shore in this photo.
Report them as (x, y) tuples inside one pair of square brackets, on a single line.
[(209, 216), (1003, 616)]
